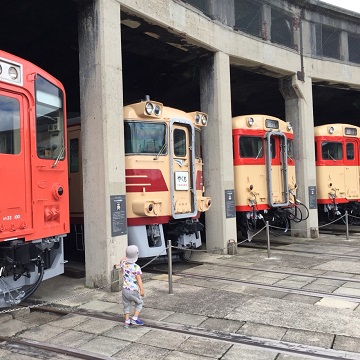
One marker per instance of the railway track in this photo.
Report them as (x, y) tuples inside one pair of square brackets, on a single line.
[(232, 338), (253, 246), (272, 287)]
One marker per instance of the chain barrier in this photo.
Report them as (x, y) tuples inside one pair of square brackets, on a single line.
[(164, 252), (11, 310)]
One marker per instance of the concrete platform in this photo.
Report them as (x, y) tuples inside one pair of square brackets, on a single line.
[(318, 322)]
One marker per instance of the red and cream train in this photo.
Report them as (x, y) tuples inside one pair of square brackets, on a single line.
[(165, 193), (337, 170)]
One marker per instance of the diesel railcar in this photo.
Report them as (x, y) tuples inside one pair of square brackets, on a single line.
[(337, 170), (165, 192), (34, 197), (264, 171)]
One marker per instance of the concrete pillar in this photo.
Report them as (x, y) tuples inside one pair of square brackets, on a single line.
[(223, 11), (344, 46), (217, 151), (299, 112), (266, 22), (102, 135)]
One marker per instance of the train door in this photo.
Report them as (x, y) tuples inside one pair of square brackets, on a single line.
[(48, 160), (16, 209), (277, 169), (351, 170), (182, 138), (75, 170)]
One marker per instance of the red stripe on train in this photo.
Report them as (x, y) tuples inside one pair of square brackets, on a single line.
[(199, 180), (150, 179)]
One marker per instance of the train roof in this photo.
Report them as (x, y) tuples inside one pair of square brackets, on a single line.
[(259, 123), (337, 129)]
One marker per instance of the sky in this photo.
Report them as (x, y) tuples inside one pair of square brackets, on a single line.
[(353, 5)]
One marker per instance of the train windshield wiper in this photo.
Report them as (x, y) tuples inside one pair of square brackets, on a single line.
[(61, 153), (331, 156), (160, 152), (258, 154)]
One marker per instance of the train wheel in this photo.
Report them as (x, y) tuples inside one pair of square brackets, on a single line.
[(186, 255)]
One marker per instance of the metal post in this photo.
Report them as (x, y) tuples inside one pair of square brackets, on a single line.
[(347, 225), (268, 238), (170, 267)]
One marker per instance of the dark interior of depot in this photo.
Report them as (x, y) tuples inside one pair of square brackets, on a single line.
[(48, 37)]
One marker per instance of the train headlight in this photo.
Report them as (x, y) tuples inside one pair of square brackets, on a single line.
[(13, 73), (289, 127), (250, 121), (203, 119), (150, 207), (251, 187), (149, 108), (57, 191), (331, 130), (197, 118), (157, 110)]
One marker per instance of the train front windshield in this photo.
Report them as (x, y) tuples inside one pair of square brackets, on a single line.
[(144, 138), (50, 138)]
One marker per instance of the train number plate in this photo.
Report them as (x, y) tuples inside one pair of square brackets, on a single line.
[(181, 180)]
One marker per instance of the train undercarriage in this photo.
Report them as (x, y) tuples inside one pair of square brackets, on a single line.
[(24, 265)]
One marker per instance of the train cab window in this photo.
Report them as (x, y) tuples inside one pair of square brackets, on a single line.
[(179, 142), (144, 138), (272, 148), (197, 144), (74, 156), (251, 147), (290, 149), (50, 139), (350, 154), (9, 125), (331, 151)]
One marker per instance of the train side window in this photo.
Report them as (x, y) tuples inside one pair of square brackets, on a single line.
[(331, 151), (50, 139), (9, 125), (251, 147), (74, 156), (179, 142), (144, 138), (350, 154)]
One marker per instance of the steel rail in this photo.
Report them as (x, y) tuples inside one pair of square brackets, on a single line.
[(263, 343), (295, 273), (275, 287), (71, 352)]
